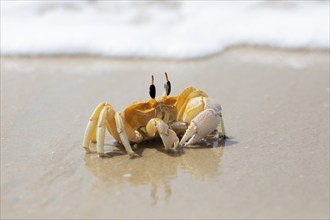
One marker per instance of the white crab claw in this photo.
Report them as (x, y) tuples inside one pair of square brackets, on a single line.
[(202, 125), (171, 141), (168, 136)]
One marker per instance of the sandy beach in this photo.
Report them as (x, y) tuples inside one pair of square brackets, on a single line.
[(275, 165)]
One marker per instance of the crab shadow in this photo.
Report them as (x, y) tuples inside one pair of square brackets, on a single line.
[(156, 166), (158, 145)]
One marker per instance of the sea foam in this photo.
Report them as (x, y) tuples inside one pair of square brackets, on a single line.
[(159, 29)]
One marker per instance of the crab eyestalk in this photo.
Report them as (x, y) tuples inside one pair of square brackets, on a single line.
[(167, 86), (152, 88)]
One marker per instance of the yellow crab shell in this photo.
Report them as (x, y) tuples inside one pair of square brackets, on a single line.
[(139, 114)]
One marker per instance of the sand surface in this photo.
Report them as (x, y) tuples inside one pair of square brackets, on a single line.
[(275, 165)]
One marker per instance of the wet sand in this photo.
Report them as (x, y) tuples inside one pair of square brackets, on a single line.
[(275, 164)]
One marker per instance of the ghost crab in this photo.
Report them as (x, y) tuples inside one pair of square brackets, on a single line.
[(191, 114)]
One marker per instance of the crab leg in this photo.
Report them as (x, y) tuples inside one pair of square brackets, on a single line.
[(221, 126), (168, 136), (91, 126), (100, 132), (202, 125), (219, 133), (123, 136)]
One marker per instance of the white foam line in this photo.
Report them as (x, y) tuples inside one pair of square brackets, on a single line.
[(159, 29)]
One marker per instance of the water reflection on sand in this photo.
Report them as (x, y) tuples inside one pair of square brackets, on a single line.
[(156, 167)]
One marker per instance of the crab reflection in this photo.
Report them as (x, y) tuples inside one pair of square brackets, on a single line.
[(156, 167)]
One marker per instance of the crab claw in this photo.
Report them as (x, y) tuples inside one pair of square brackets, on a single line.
[(168, 136), (202, 125)]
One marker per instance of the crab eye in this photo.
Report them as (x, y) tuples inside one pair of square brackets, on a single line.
[(152, 88), (167, 85)]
